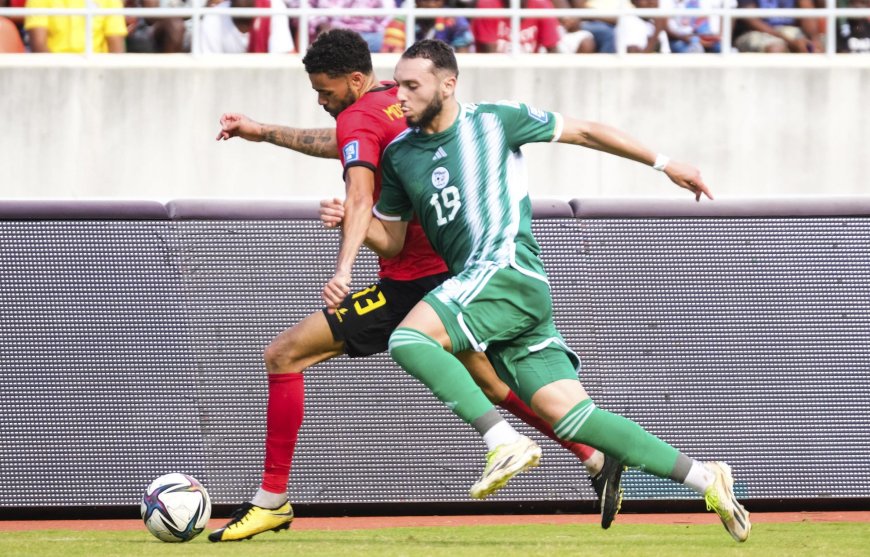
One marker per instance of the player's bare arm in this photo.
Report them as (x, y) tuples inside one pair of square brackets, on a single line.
[(384, 238), (360, 186), (317, 142), (605, 138)]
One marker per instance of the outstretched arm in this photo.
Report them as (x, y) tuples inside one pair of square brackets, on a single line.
[(317, 142), (611, 140)]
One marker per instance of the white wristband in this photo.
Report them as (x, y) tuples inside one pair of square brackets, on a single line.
[(661, 162)]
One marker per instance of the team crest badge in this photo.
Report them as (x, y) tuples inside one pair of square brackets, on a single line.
[(440, 177), (538, 114), (351, 151)]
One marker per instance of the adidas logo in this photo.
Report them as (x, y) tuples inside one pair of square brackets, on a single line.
[(439, 154)]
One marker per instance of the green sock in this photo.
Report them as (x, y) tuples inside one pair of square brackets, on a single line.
[(425, 359), (618, 437)]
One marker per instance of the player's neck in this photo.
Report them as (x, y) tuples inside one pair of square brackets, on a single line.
[(449, 113), (370, 83)]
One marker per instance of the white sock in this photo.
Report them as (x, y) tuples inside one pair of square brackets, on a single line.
[(699, 478), (594, 463), (501, 433), (269, 500)]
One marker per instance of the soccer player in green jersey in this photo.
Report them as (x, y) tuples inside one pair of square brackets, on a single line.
[(368, 117), (459, 168)]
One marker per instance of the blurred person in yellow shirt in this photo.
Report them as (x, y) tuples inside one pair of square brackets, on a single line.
[(64, 33)]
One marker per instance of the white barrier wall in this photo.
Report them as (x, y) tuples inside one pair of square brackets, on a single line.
[(143, 127)]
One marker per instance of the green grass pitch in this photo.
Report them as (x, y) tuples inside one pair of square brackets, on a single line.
[(768, 540)]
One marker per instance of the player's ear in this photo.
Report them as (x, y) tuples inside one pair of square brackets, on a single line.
[(358, 81), (448, 85)]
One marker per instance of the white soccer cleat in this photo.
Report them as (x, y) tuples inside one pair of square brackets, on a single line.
[(503, 463), (720, 498)]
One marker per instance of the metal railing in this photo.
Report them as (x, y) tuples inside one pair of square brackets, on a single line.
[(305, 12)]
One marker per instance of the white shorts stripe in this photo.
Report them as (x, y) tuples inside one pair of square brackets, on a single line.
[(526, 271), (541, 345), (478, 346)]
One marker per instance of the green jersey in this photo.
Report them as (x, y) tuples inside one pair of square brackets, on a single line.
[(468, 184)]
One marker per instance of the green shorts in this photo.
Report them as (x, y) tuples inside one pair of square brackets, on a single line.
[(508, 313)]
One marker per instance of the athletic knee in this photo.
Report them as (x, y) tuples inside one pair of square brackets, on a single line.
[(280, 358)]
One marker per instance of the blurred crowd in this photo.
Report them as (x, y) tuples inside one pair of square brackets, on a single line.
[(279, 33)]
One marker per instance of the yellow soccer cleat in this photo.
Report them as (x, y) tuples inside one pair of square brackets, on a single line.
[(249, 520), (720, 498), (503, 463)]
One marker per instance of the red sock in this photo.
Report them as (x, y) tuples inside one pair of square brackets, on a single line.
[(513, 404), (283, 420)]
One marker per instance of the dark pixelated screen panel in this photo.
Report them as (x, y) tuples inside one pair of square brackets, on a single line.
[(131, 349), (746, 340), (98, 381)]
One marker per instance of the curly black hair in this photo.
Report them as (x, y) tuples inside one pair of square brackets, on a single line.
[(438, 52), (338, 52)]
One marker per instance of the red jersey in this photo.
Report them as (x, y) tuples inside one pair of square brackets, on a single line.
[(364, 130), (534, 32)]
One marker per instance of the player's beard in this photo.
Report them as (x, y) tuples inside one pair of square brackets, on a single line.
[(348, 100), (428, 115)]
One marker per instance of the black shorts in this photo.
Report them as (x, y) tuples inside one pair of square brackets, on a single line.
[(365, 319)]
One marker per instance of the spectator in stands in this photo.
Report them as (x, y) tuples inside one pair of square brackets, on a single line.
[(643, 34), (853, 35), (536, 34), (167, 34), (225, 34), (371, 28), (574, 38), (603, 29), (822, 22), (10, 39), (455, 31), (777, 34), (63, 33), (694, 34), (17, 20)]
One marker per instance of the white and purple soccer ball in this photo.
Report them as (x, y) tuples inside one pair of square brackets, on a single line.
[(175, 508)]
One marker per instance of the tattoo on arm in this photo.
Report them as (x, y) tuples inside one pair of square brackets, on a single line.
[(315, 142)]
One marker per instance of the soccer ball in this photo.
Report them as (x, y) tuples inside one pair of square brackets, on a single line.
[(175, 508)]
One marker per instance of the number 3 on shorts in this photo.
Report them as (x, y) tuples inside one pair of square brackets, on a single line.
[(371, 304)]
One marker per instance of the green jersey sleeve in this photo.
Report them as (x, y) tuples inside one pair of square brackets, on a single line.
[(393, 203), (524, 123)]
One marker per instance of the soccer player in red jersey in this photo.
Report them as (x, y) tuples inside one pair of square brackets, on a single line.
[(368, 117)]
